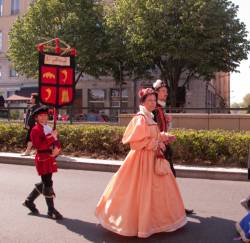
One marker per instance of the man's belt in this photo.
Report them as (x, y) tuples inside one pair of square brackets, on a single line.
[(46, 151)]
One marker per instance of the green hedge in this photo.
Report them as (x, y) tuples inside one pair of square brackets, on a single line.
[(11, 137), (192, 147), (96, 141)]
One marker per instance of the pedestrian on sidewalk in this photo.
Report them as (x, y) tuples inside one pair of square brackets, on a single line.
[(143, 197), (30, 122), (164, 122), (46, 143)]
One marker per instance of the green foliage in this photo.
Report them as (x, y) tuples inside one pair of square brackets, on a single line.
[(14, 115), (105, 140), (218, 147), (236, 105), (121, 61), (184, 39), (246, 100), (11, 137), (78, 22), (179, 39)]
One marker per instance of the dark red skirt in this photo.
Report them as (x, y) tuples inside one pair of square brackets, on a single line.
[(45, 164)]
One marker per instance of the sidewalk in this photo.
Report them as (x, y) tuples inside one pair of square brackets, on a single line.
[(76, 163)]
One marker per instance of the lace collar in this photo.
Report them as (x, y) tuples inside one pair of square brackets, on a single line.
[(149, 115), (161, 103)]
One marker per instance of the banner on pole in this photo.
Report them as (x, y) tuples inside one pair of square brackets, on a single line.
[(56, 79)]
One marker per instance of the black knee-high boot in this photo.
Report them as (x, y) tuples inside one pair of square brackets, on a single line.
[(29, 202), (49, 197)]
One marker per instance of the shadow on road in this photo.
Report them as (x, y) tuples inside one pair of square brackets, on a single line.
[(198, 230)]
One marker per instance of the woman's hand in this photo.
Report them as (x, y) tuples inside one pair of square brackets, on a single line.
[(171, 138), (162, 146), (167, 138), (164, 137)]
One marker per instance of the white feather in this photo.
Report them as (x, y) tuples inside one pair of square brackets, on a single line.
[(157, 83)]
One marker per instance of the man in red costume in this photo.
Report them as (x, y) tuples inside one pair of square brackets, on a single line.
[(164, 122), (45, 142)]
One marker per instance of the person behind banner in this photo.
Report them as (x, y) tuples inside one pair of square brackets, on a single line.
[(47, 147), (30, 122)]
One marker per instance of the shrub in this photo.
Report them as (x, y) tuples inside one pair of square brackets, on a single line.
[(103, 140), (11, 137), (216, 147), (14, 115)]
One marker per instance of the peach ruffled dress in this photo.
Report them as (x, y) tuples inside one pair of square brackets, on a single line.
[(137, 201)]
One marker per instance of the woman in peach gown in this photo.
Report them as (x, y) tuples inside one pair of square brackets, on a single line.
[(137, 201)]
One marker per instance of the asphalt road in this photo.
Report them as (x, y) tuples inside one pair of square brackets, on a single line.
[(216, 204)]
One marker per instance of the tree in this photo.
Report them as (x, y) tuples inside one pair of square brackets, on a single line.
[(246, 100), (184, 38), (120, 61), (78, 22), (236, 105)]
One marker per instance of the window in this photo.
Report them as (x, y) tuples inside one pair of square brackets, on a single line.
[(15, 8), (1, 8), (116, 103), (13, 72), (115, 98), (96, 98), (10, 93), (96, 102), (1, 40)]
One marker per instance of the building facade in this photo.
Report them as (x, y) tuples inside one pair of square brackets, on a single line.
[(10, 81), (97, 94), (209, 96)]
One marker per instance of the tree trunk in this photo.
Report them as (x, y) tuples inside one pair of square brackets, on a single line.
[(172, 92), (135, 95), (171, 71), (120, 85)]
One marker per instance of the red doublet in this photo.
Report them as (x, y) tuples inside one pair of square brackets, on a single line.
[(161, 119), (45, 164)]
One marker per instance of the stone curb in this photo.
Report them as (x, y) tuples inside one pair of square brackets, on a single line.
[(75, 163)]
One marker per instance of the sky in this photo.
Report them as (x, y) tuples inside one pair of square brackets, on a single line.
[(240, 82)]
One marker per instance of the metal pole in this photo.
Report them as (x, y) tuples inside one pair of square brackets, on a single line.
[(71, 114), (55, 118)]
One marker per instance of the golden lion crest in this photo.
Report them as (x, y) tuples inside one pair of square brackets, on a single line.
[(49, 75)]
